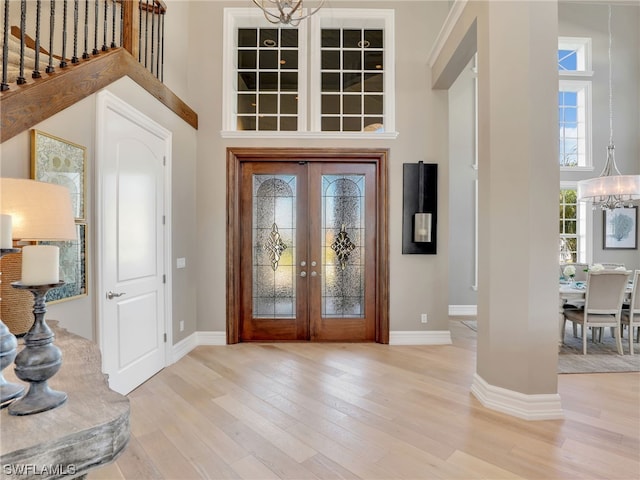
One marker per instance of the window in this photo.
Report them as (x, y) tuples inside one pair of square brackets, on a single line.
[(574, 224), (574, 108), (267, 84), (352, 74), (574, 103), (330, 76), (574, 55), (569, 222)]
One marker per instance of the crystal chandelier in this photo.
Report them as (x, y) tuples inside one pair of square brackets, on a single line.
[(287, 12), (611, 189)]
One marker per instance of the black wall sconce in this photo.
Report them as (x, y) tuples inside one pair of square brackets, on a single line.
[(419, 208)]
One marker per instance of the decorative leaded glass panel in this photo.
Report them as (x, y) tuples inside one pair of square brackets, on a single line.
[(343, 224), (274, 246)]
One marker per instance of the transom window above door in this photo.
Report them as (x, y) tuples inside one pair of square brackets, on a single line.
[(267, 82), (332, 76)]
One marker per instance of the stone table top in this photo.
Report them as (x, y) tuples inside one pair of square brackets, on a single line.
[(90, 429)]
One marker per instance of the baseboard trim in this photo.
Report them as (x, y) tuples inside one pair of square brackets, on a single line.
[(463, 310), (183, 347), (212, 338), (436, 337), (527, 407), (432, 337)]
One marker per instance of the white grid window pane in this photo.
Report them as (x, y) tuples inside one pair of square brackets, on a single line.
[(267, 79), (573, 124), (569, 222), (262, 59), (574, 55), (352, 79)]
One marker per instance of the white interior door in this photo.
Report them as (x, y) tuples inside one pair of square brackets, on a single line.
[(132, 152)]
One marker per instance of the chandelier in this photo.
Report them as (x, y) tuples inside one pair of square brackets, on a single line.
[(287, 12), (611, 189)]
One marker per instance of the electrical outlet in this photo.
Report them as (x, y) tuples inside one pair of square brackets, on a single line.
[(423, 318), (181, 325), (181, 262)]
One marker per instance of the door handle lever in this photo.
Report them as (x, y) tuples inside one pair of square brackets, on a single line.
[(111, 295)]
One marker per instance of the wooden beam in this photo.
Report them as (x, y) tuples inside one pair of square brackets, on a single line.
[(26, 105)]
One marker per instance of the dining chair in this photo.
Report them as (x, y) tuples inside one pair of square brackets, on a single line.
[(631, 316), (611, 266), (602, 305)]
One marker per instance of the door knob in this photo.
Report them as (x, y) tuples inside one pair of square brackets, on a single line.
[(111, 295), (314, 273), (303, 274)]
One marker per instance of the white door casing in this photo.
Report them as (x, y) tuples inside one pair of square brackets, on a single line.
[(133, 240)]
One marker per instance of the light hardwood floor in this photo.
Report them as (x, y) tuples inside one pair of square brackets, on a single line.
[(307, 411)]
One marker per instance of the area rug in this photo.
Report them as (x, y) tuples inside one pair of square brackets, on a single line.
[(601, 357)]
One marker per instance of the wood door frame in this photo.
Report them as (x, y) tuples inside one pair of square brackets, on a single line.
[(236, 156)]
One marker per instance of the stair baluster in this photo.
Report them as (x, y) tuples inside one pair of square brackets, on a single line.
[(36, 66), (74, 58), (105, 24), (121, 25), (95, 50), (146, 33), (31, 46), (5, 47), (85, 54), (161, 48), (63, 61), (113, 24), (23, 16), (52, 22), (153, 30), (140, 32)]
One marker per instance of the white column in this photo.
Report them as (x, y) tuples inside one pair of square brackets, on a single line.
[(518, 208)]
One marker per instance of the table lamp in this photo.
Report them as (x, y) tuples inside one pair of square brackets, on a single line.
[(40, 212)]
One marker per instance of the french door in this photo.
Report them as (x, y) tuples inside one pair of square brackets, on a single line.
[(308, 250)]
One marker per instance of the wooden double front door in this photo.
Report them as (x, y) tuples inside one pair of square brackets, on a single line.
[(308, 249)]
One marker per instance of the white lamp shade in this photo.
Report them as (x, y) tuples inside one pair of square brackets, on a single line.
[(39, 211), (624, 186)]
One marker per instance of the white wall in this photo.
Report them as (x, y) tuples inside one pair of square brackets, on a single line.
[(588, 20), (579, 20), (462, 201), (417, 282), (77, 124)]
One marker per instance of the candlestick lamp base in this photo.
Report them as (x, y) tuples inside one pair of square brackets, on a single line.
[(39, 360), (9, 391), (8, 351), (39, 398)]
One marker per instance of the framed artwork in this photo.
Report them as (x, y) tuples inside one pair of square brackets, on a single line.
[(620, 228), (73, 267), (55, 160)]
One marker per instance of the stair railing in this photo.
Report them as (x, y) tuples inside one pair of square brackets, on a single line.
[(135, 25)]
